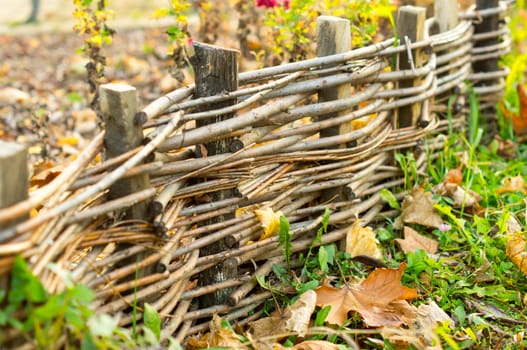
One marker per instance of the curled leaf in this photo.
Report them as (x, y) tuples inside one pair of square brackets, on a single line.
[(515, 250), (269, 220), (361, 241)]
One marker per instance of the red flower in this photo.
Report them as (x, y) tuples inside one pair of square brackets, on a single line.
[(266, 3)]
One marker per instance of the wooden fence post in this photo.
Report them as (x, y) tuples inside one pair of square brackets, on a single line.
[(333, 37), (445, 12), (487, 24), (122, 134), (13, 185), (216, 71), (410, 25)]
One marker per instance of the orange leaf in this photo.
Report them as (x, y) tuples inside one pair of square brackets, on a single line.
[(413, 241), (379, 299), (454, 176), (519, 122), (515, 250), (46, 176), (384, 285)]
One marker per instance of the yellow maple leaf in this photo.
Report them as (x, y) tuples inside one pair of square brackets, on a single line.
[(269, 220)]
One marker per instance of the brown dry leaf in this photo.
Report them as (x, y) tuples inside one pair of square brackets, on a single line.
[(361, 241), (413, 241), (46, 176), (513, 184), (379, 299), (418, 208), (454, 176), (295, 318), (217, 337), (264, 332), (269, 220), (420, 333), (309, 345)]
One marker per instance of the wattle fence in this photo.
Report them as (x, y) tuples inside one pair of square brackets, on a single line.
[(175, 195)]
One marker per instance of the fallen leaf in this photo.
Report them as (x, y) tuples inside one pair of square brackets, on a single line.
[(264, 332), (68, 140), (168, 83), (519, 121), (379, 299), (413, 241), (513, 184), (218, 337), (361, 241), (515, 249), (506, 148), (254, 43), (269, 220), (46, 176), (484, 272), (513, 225), (418, 208), (297, 315), (295, 318), (454, 176), (421, 332), (10, 96), (309, 345)]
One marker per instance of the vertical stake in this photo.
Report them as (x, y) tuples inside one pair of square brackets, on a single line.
[(488, 24), (13, 185), (333, 37), (122, 134), (216, 72), (445, 13), (411, 25)]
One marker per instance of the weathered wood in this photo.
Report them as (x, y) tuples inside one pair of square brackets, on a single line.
[(122, 134), (411, 25), (13, 185), (487, 24), (13, 177), (216, 71), (445, 13), (333, 37)]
